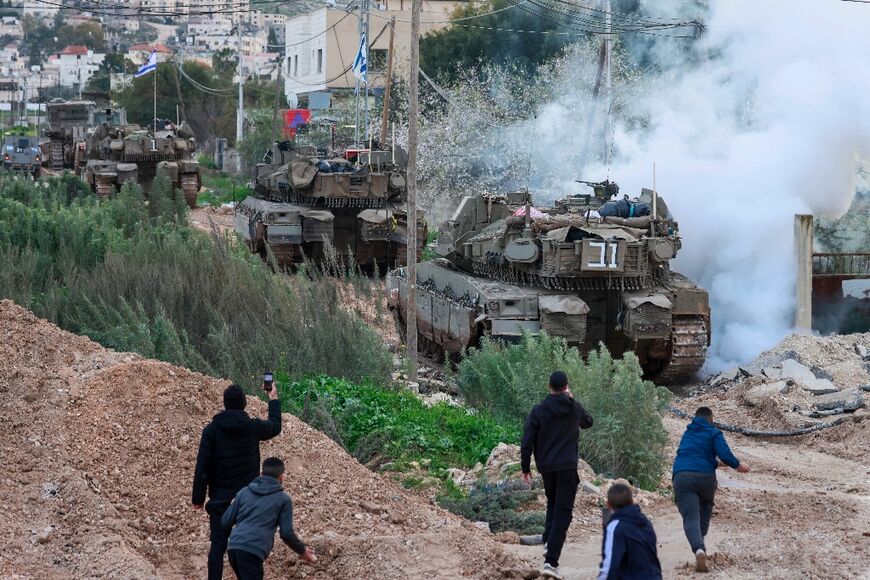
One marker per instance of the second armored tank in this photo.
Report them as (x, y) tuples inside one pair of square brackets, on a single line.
[(114, 154), (574, 270), (310, 207)]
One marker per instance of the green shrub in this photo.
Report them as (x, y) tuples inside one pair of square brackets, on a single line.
[(389, 425), (627, 438), (131, 274), (206, 161), (498, 505)]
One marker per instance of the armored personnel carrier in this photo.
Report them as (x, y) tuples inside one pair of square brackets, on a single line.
[(590, 270), (68, 123), (113, 154), (21, 153), (310, 207)]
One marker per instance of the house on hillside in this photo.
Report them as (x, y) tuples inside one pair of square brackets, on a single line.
[(76, 64), (139, 53), (322, 44)]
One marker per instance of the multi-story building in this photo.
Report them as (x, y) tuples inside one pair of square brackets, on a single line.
[(11, 26), (321, 45), (38, 10), (234, 9), (139, 53), (75, 64)]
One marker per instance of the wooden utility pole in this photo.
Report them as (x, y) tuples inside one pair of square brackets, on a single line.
[(388, 85), (275, 111), (412, 188)]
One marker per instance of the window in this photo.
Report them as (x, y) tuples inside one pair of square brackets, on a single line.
[(296, 65), (320, 60), (378, 59)]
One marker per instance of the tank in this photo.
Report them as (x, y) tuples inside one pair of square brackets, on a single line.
[(591, 269), (68, 122), (22, 153), (113, 154), (310, 207)]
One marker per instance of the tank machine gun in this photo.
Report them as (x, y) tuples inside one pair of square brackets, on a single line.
[(508, 268)]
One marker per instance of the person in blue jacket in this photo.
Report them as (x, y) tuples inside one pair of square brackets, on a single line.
[(702, 449), (628, 550)]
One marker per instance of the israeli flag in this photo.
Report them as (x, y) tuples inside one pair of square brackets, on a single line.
[(360, 64), (148, 66)]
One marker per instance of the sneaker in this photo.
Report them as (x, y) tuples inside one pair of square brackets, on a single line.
[(701, 561), (550, 571)]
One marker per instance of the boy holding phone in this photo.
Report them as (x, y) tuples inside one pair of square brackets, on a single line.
[(228, 460)]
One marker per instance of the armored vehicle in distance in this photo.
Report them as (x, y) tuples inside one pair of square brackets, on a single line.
[(308, 207), (21, 153), (574, 270), (68, 123), (114, 154)]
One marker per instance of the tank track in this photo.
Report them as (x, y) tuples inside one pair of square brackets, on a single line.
[(688, 350), (553, 283), (56, 154), (190, 188)]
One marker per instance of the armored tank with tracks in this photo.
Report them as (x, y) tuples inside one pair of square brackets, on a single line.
[(309, 207), (114, 154), (574, 270), (68, 123)]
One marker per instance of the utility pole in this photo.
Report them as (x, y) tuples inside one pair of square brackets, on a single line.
[(412, 189), (608, 85), (240, 115), (368, 40), (388, 85), (275, 110)]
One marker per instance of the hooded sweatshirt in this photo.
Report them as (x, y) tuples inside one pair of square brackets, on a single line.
[(257, 510), (552, 430), (229, 452), (628, 550), (701, 444)]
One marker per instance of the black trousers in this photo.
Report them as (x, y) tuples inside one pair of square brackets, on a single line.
[(218, 537), (246, 565), (694, 493), (561, 489)]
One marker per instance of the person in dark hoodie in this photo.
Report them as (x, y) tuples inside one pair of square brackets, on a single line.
[(551, 433), (228, 460), (628, 549), (702, 449), (256, 512)]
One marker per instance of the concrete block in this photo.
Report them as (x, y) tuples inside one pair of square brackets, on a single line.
[(791, 369), (772, 373), (759, 395), (846, 400), (820, 387)]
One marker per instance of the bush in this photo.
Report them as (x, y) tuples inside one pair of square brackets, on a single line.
[(627, 439), (133, 276), (497, 504), (387, 425)]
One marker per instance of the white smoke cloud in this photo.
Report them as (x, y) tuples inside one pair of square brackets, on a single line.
[(772, 124)]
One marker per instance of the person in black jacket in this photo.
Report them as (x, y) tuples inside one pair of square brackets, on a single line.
[(228, 460), (628, 548), (256, 511), (551, 433)]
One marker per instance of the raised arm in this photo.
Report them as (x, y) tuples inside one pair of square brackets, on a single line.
[(585, 417), (271, 426)]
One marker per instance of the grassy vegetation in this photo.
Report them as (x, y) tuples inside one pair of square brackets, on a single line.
[(131, 274), (221, 188), (390, 425), (628, 438), (498, 504)]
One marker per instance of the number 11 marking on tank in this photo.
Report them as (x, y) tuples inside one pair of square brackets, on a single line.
[(602, 255)]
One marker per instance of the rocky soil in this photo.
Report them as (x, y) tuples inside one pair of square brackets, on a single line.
[(99, 449)]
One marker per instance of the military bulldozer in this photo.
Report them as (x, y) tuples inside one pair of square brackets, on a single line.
[(308, 207), (114, 154), (590, 270), (68, 123)]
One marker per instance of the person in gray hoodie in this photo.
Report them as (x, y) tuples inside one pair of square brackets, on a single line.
[(256, 512)]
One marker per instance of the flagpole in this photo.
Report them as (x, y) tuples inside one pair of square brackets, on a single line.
[(155, 97)]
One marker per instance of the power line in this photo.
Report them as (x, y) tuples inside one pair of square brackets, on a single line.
[(115, 8)]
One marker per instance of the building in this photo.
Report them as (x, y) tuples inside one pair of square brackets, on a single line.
[(263, 66), (234, 9), (322, 45), (38, 10), (76, 65), (139, 53), (11, 27)]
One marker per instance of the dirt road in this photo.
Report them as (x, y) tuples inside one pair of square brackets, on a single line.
[(800, 513)]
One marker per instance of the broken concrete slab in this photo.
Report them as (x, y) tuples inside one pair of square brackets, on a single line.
[(757, 396), (791, 369), (772, 373), (820, 387), (846, 400), (728, 376)]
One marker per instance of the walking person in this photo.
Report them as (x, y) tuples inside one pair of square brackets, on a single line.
[(702, 449), (228, 460), (256, 512), (628, 548), (551, 434)]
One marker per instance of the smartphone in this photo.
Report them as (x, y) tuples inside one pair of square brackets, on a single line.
[(267, 382)]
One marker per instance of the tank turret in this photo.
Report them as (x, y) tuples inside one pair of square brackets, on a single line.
[(591, 269)]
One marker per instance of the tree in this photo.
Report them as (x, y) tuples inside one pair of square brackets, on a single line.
[(89, 34), (113, 63)]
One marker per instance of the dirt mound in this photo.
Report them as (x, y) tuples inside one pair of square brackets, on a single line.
[(99, 449)]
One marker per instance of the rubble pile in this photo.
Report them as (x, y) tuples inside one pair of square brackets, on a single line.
[(99, 449), (802, 382)]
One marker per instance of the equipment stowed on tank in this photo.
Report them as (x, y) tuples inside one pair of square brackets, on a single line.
[(308, 207), (116, 153), (590, 270)]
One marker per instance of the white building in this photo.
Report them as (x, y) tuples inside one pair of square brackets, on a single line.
[(38, 10), (11, 26), (76, 65), (234, 9)]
